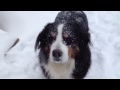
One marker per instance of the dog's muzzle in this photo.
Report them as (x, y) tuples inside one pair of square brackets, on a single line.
[(57, 54)]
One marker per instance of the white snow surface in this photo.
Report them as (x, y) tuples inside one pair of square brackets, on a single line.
[(21, 61)]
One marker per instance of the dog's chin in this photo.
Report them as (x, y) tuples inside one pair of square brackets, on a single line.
[(60, 61)]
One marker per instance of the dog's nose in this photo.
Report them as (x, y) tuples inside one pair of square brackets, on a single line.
[(57, 53)]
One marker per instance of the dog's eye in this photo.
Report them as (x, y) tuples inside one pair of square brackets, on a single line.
[(68, 34), (51, 37), (67, 41)]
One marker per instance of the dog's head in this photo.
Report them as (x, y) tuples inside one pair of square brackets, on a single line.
[(65, 38)]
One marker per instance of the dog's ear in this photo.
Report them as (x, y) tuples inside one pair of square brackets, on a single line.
[(84, 36), (42, 36), (38, 41)]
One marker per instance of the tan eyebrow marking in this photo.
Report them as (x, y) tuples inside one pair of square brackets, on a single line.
[(71, 52), (53, 34), (66, 34), (47, 49)]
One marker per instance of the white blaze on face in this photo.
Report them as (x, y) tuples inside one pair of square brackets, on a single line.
[(58, 44)]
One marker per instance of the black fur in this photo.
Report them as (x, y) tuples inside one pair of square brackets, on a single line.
[(77, 23)]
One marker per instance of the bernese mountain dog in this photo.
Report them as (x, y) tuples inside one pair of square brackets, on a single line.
[(64, 46)]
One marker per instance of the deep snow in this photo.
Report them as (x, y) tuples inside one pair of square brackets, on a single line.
[(21, 61)]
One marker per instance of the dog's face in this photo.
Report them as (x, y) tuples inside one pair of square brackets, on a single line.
[(62, 41), (64, 47)]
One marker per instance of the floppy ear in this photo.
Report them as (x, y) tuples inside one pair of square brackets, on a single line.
[(42, 36), (38, 41), (84, 36)]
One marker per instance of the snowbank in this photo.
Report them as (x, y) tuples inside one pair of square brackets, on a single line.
[(6, 42)]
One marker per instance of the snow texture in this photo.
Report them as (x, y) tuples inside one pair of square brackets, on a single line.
[(21, 61)]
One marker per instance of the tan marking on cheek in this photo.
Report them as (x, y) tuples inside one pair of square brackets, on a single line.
[(71, 52), (47, 49)]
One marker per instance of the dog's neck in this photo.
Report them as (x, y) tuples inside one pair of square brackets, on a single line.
[(60, 70)]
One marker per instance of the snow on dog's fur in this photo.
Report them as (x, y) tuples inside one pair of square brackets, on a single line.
[(64, 46)]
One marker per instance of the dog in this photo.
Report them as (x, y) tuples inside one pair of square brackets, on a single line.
[(64, 46)]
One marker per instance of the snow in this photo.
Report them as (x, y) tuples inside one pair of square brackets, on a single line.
[(6, 41), (105, 31), (21, 61)]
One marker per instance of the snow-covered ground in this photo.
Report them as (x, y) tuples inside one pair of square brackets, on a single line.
[(21, 61)]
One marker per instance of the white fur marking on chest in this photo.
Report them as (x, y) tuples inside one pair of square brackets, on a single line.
[(61, 70)]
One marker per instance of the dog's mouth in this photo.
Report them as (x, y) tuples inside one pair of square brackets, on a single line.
[(57, 59), (60, 61)]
